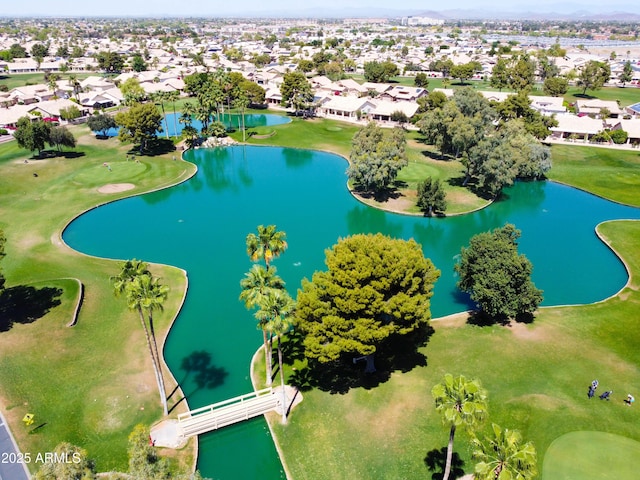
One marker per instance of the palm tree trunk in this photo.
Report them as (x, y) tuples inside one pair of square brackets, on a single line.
[(244, 134), (447, 468), (156, 369), (164, 117), (175, 119), (284, 394), (267, 357), (154, 343)]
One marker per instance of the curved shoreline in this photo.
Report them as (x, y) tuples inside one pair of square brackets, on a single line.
[(58, 236)]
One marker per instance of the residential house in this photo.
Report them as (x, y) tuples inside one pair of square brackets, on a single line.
[(594, 106), (345, 108), (403, 93), (384, 109), (32, 94), (632, 127), (574, 127), (548, 105)]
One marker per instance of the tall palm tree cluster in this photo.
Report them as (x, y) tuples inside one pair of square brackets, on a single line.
[(264, 290), (144, 294), (502, 456)]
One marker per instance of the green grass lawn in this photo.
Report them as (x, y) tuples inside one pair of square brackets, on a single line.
[(21, 79), (592, 455), (612, 174), (85, 384)]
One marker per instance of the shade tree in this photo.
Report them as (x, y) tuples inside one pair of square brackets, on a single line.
[(431, 196), (32, 135), (497, 278), (593, 75), (374, 288), (296, 91), (139, 124), (377, 155), (101, 123)]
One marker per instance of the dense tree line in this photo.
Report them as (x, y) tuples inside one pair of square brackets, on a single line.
[(496, 144)]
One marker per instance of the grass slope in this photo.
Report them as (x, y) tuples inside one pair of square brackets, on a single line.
[(92, 383), (612, 174)]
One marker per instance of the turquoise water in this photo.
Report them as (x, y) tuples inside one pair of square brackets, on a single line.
[(234, 121), (201, 226), (172, 124)]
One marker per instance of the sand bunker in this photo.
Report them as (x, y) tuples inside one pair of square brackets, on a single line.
[(116, 187)]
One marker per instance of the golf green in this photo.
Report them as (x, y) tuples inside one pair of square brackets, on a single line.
[(592, 455)]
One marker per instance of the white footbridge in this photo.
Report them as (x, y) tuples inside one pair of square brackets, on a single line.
[(228, 412)]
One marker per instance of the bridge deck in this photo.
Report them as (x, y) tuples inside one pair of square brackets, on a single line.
[(228, 412)]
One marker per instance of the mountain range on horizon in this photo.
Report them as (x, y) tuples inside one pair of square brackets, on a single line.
[(563, 11)]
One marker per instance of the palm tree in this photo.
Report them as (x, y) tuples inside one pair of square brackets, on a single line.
[(129, 270), (460, 402), (144, 294), (504, 456), (256, 287), (160, 98), (275, 311), (241, 102), (172, 96), (267, 245)]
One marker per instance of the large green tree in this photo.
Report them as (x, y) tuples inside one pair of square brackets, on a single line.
[(296, 91), (593, 75), (32, 135), (132, 91), (110, 62), (464, 71), (500, 74), (519, 106), (60, 136), (555, 86), (522, 73), (380, 72), (431, 196), (627, 73), (377, 155), (504, 456), (374, 287), (139, 124), (496, 276), (461, 403), (101, 123)]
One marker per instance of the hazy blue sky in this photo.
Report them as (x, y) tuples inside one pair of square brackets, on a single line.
[(253, 7)]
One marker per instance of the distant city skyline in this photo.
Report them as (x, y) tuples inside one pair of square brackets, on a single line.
[(257, 8)]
